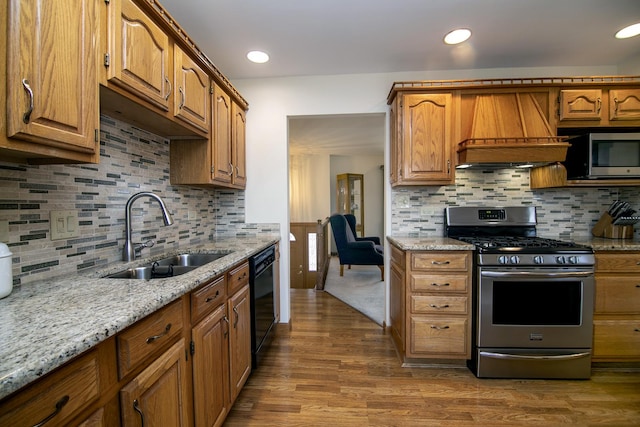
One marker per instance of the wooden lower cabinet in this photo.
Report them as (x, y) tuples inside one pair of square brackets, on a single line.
[(431, 304), (183, 365), (616, 320), (75, 394), (158, 395), (211, 368), (239, 341)]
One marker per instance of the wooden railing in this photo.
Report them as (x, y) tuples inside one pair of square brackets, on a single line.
[(323, 252)]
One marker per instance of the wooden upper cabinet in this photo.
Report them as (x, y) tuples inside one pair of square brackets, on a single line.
[(139, 58), (624, 104), (222, 160), (51, 81), (599, 107), (580, 104), (425, 150), (239, 145), (191, 94)]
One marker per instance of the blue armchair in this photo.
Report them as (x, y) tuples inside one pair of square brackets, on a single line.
[(354, 251)]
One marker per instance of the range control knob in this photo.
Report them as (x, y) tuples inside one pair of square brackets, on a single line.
[(503, 259), (538, 259), (514, 259), (561, 260), (573, 260)]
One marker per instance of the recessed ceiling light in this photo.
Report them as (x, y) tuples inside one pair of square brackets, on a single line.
[(257, 56), (457, 36), (630, 31)]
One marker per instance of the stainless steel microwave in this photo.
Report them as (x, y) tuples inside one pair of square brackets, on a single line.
[(604, 155)]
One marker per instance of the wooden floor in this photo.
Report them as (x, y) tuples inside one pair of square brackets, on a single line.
[(337, 368)]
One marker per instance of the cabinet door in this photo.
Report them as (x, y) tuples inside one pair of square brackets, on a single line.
[(427, 138), (140, 60), (52, 80), (158, 395), (239, 340), (211, 368), (191, 95), (222, 166), (239, 145), (624, 104), (580, 104)]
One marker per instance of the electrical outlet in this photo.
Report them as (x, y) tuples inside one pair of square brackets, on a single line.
[(192, 215), (64, 224), (4, 231)]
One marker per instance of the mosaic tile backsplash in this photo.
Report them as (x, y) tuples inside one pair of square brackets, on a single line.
[(562, 212), (131, 160)]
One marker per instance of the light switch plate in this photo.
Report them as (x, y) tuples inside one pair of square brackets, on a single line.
[(64, 224)]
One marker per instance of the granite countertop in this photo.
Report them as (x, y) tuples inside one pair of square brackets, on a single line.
[(47, 323), (407, 243)]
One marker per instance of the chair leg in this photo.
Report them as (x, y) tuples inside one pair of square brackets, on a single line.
[(381, 267), (341, 270)]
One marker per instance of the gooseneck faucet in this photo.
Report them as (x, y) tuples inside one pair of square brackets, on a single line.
[(130, 250)]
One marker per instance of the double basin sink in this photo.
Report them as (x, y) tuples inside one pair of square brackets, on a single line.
[(174, 265)]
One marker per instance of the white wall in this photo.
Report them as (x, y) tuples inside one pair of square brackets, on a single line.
[(271, 101)]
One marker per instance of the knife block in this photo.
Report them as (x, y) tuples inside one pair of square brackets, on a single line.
[(605, 228)]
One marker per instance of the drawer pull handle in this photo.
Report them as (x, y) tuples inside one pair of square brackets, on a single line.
[(136, 408), (235, 323), (440, 262), (440, 328), (157, 337), (439, 306), (209, 299), (27, 115), (59, 405), (226, 319), (440, 284), (636, 330)]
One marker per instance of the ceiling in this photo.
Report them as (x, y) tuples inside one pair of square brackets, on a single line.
[(321, 37), (327, 37)]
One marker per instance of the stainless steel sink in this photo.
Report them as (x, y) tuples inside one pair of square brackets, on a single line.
[(151, 272), (189, 260), (174, 265)]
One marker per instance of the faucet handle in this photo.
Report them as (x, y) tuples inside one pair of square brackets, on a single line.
[(146, 244)]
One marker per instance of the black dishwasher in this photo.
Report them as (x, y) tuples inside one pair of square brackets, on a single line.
[(261, 282)]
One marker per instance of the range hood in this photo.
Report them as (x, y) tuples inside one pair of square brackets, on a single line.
[(509, 130)]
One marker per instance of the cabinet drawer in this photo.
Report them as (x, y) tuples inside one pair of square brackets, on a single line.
[(432, 304), (440, 261), (207, 298), (618, 262), (72, 388), (147, 336), (439, 282), (618, 294), (237, 278), (616, 338), (438, 336)]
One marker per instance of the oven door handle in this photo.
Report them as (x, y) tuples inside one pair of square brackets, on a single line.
[(537, 274), (534, 357)]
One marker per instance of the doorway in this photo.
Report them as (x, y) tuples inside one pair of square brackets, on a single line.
[(320, 148)]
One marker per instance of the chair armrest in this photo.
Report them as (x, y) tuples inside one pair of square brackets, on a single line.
[(374, 239)]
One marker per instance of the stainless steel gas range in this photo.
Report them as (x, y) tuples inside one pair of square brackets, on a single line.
[(533, 297)]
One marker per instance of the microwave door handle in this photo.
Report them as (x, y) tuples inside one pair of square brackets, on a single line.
[(526, 274)]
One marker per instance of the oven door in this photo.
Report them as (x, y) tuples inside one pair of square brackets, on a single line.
[(532, 308)]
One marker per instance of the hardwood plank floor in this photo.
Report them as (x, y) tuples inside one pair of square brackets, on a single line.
[(335, 367)]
